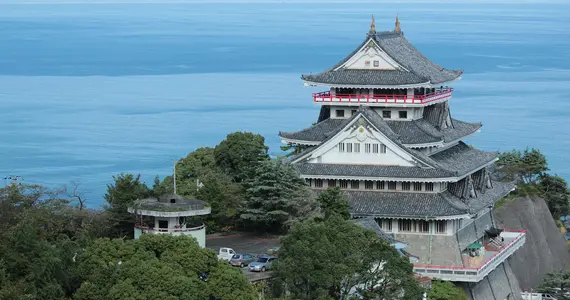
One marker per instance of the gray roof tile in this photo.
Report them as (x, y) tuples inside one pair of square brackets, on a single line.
[(462, 159), (370, 224), (421, 69), (318, 132)]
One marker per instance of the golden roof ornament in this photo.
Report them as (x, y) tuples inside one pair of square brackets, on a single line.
[(397, 28), (372, 30)]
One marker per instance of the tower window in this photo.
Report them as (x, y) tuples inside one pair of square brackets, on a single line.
[(354, 184), (343, 184), (403, 114), (387, 114), (353, 112), (440, 227), (392, 185), (417, 186), (367, 148), (380, 185), (376, 63), (369, 185), (332, 183), (429, 186), (374, 148), (356, 147), (341, 147), (340, 113), (348, 147), (382, 148), (318, 183), (405, 186)]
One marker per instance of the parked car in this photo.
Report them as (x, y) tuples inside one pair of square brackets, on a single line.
[(273, 251), (262, 264), (226, 253), (241, 260)]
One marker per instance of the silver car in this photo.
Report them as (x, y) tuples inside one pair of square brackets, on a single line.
[(262, 264)]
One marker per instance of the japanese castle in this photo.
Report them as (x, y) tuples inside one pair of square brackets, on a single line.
[(386, 136)]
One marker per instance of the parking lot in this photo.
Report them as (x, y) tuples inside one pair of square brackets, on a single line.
[(244, 243)]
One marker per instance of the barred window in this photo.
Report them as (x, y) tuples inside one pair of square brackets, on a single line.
[(343, 184), (341, 147), (417, 186), (440, 227), (367, 148), (374, 148), (356, 147), (354, 184), (309, 181), (385, 224), (348, 147), (369, 185), (422, 226), (380, 185), (405, 225), (405, 186), (319, 183), (382, 148), (429, 186), (391, 185), (332, 183)]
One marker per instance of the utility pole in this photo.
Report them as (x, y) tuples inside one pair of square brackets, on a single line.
[(174, 176)]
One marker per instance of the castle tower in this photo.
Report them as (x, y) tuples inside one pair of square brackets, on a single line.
[(385, 135)]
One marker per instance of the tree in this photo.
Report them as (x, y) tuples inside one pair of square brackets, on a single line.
[(125, 189), (557, 284), (224, 197), (276, 197), (341, 260), (332, 202), (445, 290), (527, 165), (157, 267), (556, 194), (239, 154)]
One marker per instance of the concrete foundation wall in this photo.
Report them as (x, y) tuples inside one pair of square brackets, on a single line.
[(501, 284), (444, 249)]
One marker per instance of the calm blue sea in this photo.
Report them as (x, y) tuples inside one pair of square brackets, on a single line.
[(91, 90)]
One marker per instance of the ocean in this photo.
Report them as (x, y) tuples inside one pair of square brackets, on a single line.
[(88, 91)]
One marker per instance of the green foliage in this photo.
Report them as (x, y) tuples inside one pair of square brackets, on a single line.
[(292, 149), (527, 165), (276, 197), (332, 202), (239, 154), (325, 260), (125, 189), (557, 284), (157, 267), (445, 290), (556, 194)]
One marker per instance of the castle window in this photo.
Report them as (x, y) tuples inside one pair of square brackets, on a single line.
[(391, 185), (331, 183), (340, 113), (309, 181), (369, 185), (343, 184), (417, 186), (403, 114), (348, 147), (367, 63), (385, 224), (440, 227), (341, 147), (376, 63), (422, 226), (382, 148), (356, 147), (354, 184), (353, 112), (367, 148), (405, 186), (380, 185), (405, 225), (318, 183), (429, 186), (374, 148), (386, 114)]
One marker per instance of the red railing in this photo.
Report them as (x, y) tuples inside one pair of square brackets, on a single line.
[(485, 263), (324, 97)]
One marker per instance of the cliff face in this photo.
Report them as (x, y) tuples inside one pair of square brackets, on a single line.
[(545, 249)]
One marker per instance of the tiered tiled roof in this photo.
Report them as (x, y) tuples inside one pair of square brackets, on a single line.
[(417, 69), (414, 132)]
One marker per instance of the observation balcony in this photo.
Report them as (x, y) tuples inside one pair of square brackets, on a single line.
[(513, 240), (175, 230), (383, 99)]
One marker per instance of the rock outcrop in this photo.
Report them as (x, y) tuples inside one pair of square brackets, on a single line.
[(545, 249)]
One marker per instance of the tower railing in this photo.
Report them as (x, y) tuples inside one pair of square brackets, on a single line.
[(356, 99)]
